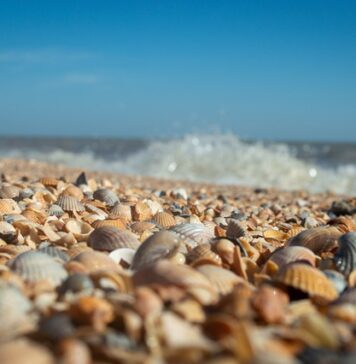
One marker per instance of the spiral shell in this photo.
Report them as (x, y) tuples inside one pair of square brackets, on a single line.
[(109, 238), (193, 234), (345, 257), (69, 203), (164, 219), (105, 195)]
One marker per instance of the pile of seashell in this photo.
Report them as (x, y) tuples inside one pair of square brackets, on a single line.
[(97, 271)]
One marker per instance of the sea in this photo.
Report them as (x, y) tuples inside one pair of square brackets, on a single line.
[(215, 158)]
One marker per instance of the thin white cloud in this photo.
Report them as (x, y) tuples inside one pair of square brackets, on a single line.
[(81, 78)]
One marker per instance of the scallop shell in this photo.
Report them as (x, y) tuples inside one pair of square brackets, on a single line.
[(234, 229), (79, 229), (70, 204), (193, 234), (9, 192), (55, 210), (55, 252), (203, 254), (163, 244), (8, 206), (73, 191), (49, 181), (307, 279), (320, 239), (34, 266), (119, 224), (121, 211), (345, 257), (93, 261), (105, 195), (164, 219), (109, 238)]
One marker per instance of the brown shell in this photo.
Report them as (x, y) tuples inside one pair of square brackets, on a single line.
[(344, 224), (307, 279), (193, 234), (93, 261), (34, 266), (141, 212), (320, 239), (9, 192), (234, 229), (107, 196), (117, 223), (164, 219), (108, 238), (203, 254), (163, 244), (69, 203), (140, 227), (9, 206), (49, 181), (73, 191), (36, 216)]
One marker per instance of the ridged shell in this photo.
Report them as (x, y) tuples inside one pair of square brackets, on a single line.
[(55, 210), (307, 279), (222, 279), (115, 223), (34, 266), (9, 192), (79, 229), (164, 219), (69, 203), (193, 234), (76, 283), (320, 239), (121, 211), (163, 244), (344, 224), (49, 181), (55, 252), (105, 195), (108, 238), (203, 254), (9, 206), (94, 261), (234, 229), (73, 191), (345, 257), (36, 216)]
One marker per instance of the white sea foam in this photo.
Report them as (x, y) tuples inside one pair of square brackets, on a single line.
[(215, 158)]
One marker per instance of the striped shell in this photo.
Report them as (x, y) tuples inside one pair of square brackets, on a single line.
[(193, 234), (34, 266), (55, 210), (203, 254), (234, 229), (164, 219), (9, 206), (69, 203), (163, 244), (49, 181), (73, 191), (9, 192), (105, 195), (320, 239), (108, 238), (121, 211), (115, 223), (307, 279), (55, 252), (93, 261), (345, 257)]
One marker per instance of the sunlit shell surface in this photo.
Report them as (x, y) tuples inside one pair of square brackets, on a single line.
[(163, 244), (93, 261), (105, 195), (69, 203), (9, 206), (9, 192), (164, 219), (203, 254), (307, 279), (73, 191), (115, 223), (345, 257), (123, 256), (319, 239), (193, 234), (34, 266), (55, 252), (108, 238)]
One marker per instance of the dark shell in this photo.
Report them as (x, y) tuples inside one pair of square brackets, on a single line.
[(107, 196), (56, 327), (348, 297), (108, 238), (337, 279), (76, 283), (234, 229), (345, 257)]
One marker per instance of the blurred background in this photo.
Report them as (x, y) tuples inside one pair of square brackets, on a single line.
[(258, 93)]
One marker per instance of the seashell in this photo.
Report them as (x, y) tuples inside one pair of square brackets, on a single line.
[(225, 249), (234, 229), (112, 281), (320, 239), (141, 212), (291, 254), (123, 256), (11, 218), (344, 224), (164, 219), (14, 250), (274, 235), (34, 266), (8, 206), (77, 283), (193, 234), (9, 192), (347, 297), (49, 181), (163, 244), (117, 223), (55, 210), (203, 254), (307, 279), (105, 195), (93, 261), (140, 227), (56, 327), (69, 203), (345, 256), (55, 252), (7, 231), (78, 248), (222, 279), (337, 279), (79, 229), (109, 238), (73, 191), (34, 215), (147, 302), (96, 210), (121, 211)]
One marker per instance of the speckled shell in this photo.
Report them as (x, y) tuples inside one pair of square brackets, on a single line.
[(69, 203), (163, 244), (55, 252), (307, 279), (105, 195), (9, 206), (9, 192), (203, 254), (108, 238), (34, 266), (93, 261), (234, 229), (164, 219), (319, 239), (193, 234), (345, 257)]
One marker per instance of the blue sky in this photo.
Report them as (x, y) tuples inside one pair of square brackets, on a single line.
[(261, 69)]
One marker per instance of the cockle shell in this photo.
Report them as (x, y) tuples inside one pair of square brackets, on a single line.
[(234, 229), (203, 254), (34, 266), (105, 195), (307, 279), (337, 279), (109, 238), (49, 181), (164, 219), (140, 227), (93, 261), (70, 203), (320, 239), (9, 192), (8, 206), (345, 257), (344, 224), (163, 244), (55, 252), (193, 234), (120, 211), (73, 191), (55, 210)]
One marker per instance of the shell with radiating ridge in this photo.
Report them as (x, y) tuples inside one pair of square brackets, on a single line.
[(193, 234), (118, 223), (320, 239), (69, 203), (291, 254), (345, 257), (308, 279), (9, 206), (105, 195), (164, 219), (203, 254), (234, 229), (34, 266), (222, 279), (9, 192), (93, 261), (140, 227), (120, 211), (344, 224), (163, 244), (73, 191), (55, 252), (55, 210), (108, 238), (49, 181)]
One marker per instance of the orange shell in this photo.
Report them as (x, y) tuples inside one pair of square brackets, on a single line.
[(49, 181), (9, 206), (73, 191), (69, 203), (164, 219), (116, 223)]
